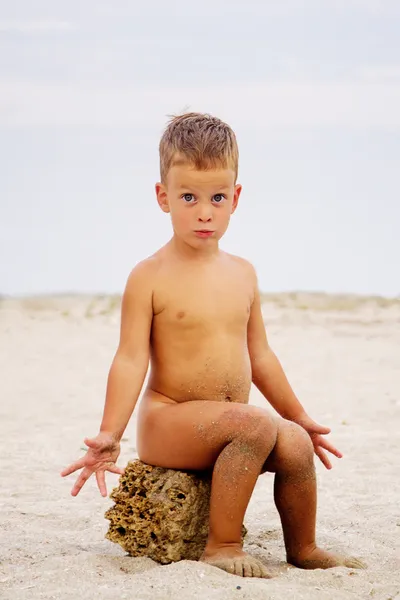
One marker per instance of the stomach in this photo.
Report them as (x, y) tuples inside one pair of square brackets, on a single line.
[(211, 371)]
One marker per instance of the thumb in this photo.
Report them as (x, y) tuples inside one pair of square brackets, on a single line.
[(315, 428), (91, 443)]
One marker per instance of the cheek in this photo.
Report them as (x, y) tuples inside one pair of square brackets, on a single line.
[(180, 218), (224, 214)]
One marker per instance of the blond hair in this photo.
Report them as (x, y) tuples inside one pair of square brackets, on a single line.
[(200, 140)]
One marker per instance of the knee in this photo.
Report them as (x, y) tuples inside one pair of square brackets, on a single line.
[(295, 451), (251, 426), (261, 430)]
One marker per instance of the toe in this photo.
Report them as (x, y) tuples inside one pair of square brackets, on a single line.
[(256, 569), (228, 566), (225, 565), (264, 572), (248, 569), (239, 567), (355, 563)]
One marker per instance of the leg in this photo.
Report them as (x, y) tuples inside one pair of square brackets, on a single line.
[(295, 493), (234, 438)]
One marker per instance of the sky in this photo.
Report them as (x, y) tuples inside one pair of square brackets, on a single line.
[(311, 88)]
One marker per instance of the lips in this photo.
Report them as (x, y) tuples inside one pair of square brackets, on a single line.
[(203, 232)]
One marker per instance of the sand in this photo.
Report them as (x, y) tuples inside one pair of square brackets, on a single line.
[(342, 356)]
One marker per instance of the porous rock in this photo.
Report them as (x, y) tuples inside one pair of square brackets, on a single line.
[(160, 513)]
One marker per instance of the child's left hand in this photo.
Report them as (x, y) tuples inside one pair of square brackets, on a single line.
[(316, 432)]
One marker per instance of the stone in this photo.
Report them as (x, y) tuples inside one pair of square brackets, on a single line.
[(160, 513)]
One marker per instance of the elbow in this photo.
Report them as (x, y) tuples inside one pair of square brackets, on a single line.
[(259, 364), (138, 361)]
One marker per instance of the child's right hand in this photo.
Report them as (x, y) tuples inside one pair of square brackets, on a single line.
[(102, 454)]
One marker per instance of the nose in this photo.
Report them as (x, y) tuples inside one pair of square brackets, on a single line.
[(205, 214)]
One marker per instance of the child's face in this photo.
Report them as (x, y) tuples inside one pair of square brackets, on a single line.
[(200, 202)]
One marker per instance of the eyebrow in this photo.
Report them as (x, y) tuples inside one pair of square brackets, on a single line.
[(218, 189)]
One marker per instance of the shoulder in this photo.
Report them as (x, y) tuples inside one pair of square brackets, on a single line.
[(143, 275), (244, 265)]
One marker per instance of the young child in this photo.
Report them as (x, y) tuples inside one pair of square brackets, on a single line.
[(194, 312)]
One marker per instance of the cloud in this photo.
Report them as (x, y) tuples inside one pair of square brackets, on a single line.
[(31, 27), (272, 105)]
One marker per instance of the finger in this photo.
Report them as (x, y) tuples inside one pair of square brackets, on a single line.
[(323, 458), (328, 446), (315, 428), (101, 483), (80, 482), (91, 443), (72, 468), (116, 470)]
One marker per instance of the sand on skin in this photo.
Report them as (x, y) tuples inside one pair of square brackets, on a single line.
[(343, 359)]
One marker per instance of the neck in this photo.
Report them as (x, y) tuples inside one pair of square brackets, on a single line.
[(184, 250)]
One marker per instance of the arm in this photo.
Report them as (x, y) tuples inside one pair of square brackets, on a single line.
[(125, 381), (269, 377), (130, 364), (267, 373)]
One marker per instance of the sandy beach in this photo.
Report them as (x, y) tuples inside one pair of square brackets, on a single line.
[(342, 356)]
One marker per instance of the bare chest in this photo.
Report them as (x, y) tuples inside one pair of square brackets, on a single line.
[(204, 302)]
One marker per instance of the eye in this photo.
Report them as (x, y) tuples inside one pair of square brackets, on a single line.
[(188, 198), (218, 198)]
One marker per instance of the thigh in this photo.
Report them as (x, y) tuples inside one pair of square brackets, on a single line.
[(191, 435)]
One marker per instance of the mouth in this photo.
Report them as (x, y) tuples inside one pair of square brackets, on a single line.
[(204, 232)]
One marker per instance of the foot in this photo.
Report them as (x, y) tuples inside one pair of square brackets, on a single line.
[(233, 560), (321, 559)]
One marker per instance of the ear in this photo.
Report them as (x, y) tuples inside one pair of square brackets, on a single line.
[(162, 198), (236, 194)]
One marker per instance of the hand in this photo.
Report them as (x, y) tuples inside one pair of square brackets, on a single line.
[(101, 457), (320, 444)]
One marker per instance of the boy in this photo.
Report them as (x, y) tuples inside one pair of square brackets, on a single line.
[(194, 312)]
